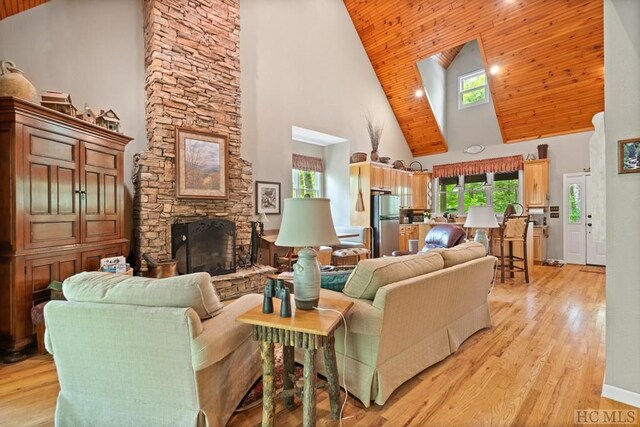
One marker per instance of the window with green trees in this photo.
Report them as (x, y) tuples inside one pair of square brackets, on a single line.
[(472, 89), (491, 189), (575, 205), (306, 183)]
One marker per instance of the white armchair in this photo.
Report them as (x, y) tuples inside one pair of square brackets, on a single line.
[(149, 361)]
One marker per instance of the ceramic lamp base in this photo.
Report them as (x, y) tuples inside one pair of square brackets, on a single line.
[(481, 237), (306, 280)]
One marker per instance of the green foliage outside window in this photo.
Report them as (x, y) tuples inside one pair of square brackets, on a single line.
[(477, 80), (473, 96), (474, 195), (504, 193), (575, 211), (305, 183)]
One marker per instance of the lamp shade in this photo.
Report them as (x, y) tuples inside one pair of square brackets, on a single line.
[(481, 217), (307, 222), (262, 217)]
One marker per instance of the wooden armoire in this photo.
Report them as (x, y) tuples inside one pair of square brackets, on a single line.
[(61, 207)]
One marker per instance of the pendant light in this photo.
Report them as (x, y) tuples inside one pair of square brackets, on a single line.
[(458, 187)]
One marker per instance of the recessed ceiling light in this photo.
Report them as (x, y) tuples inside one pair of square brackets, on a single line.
[(419, 93), (494, 69)]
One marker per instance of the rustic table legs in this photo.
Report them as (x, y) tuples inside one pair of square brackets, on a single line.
[(309, 393), (332, 376), (287, 393), (269, 391)]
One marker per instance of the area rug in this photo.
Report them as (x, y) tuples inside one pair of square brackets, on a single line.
[(254, 397), (594, 269)]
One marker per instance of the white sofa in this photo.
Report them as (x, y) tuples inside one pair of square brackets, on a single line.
[(359, 241), (410, 312), (132, 351)]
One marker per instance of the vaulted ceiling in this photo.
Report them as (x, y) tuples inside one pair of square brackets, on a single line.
[(550, 54), (12, 7)]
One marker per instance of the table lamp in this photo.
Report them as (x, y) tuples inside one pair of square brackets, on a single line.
[(481, 217), (306, 223)]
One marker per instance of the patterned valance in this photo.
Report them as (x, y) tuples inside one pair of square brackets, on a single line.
[(308, 163), (500, 164)]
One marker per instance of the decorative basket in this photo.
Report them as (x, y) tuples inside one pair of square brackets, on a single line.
[(358, 157), (384, 159), (415, 169), (399, 164)]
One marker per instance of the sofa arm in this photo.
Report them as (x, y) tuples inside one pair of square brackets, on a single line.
[(401, 253), (363, 318), (221, 335)]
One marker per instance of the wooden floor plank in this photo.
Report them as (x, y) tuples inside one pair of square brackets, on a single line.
[(542, 359)]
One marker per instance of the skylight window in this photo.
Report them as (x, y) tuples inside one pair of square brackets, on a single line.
[(472, 89)]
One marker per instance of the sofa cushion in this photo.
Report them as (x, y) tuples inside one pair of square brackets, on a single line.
[(461, 253), (372, 274), (191, 290)]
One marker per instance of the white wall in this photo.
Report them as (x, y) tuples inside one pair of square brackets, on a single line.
[(303, 64), (434, 80), (622, 121), (566, 153), (92, 49), (306, 149), (472, 125), (336, 180)]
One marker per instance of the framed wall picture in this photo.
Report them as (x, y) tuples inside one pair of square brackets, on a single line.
[(629, 156), (201, 165), (267, 197)]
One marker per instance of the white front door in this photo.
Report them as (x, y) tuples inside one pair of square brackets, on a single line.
[(596, 251), (574, 218)]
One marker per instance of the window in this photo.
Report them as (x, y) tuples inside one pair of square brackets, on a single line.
[(472, 89), (306, 183), (491, 189)]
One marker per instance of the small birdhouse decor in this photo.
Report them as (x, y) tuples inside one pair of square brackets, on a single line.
[(108, 119), (88, 115), (58, 101)]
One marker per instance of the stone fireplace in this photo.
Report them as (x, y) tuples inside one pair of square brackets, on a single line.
[(192, 77)]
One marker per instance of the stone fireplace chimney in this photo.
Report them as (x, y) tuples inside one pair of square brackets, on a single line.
[(192, 60)]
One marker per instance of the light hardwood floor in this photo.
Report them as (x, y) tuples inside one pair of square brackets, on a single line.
[(543, 359)]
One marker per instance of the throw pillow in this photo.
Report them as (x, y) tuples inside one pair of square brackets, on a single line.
[(334, 280), (372, 274), (191, 290)]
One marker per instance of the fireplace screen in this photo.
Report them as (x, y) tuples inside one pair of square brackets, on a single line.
[(208, 245)]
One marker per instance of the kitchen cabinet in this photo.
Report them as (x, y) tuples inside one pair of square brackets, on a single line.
[(536, 183), (420, 185), (408, 232), (539, 244), (61, 209)]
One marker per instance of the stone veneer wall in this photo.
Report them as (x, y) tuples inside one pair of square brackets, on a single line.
[(192, 60)]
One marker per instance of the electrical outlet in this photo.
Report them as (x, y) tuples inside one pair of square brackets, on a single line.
[(555, 214), (554, 209)]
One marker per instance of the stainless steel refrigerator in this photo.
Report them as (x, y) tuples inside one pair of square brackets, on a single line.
[(385, 221)]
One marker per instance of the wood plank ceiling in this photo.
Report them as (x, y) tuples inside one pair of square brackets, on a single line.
[(550, 54), (12, 7)]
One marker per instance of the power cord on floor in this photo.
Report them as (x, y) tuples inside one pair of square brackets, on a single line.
[(344, 361)]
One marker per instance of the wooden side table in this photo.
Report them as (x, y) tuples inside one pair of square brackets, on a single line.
[(307, 329)]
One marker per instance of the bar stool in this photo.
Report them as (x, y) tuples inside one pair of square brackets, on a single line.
[(514, 229)]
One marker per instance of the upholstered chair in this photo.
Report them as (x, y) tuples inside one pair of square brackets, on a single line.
[(440, 236), (139, 351)]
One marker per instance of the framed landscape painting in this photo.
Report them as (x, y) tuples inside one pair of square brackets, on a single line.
[(201, 165), (267, 197), (629, 156)]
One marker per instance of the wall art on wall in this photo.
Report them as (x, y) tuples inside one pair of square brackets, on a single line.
[(629, 156), (201, 165), (267, 197)]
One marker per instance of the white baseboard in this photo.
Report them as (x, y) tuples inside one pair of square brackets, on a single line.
[(621, 395)]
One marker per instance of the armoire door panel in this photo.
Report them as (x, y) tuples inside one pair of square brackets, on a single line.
[(52, 149), (92, 193), (51, 211), (101, 228), (39, 189), (110, 194), (100, 159)]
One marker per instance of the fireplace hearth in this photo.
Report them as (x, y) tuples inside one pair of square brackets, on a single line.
[(208, 245)]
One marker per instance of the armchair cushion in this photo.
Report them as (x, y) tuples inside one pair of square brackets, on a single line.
[(461, 253), (191, 290), (372, 274)]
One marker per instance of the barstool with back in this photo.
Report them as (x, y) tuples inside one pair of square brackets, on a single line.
[(514, 229)]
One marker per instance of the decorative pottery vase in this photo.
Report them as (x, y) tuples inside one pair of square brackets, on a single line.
[(374, 156), (542, 151), (306, 280), (13, 83)]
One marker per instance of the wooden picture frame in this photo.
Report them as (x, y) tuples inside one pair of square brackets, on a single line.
[(267, 197), (629, 155), (202, 165)]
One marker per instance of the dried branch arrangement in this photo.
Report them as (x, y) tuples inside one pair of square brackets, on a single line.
[(375, 132)]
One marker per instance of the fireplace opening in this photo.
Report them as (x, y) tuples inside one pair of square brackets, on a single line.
[(207, 245)]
